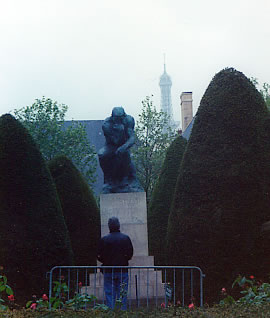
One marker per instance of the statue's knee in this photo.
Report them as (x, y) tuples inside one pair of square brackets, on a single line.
[(102, 153)]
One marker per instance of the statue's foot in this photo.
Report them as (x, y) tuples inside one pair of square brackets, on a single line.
[(134, 185), (107, 188), (124, 186)]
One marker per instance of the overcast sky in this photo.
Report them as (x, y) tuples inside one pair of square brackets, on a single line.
[(93, 55)]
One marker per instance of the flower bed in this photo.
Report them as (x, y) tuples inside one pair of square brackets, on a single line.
[(253, 301), (218, 311)]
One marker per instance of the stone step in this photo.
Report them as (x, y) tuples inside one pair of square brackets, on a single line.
[(142, 282)]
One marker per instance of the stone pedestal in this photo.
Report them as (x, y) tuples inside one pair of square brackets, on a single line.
[(130, 209)]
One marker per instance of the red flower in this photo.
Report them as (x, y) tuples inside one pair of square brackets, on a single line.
[(191, 306), (11, 298), (162, 305), (80, 284), (45, 297), (223, 290), (251, 277), (33, 306)]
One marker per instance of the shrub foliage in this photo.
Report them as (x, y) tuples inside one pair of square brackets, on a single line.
[(79, 208), (222, 194), (33, 234), (160, 203)]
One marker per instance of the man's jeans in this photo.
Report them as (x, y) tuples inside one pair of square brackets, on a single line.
[(114, 283)]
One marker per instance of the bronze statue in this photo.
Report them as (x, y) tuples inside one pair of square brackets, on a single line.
[(114, 157)]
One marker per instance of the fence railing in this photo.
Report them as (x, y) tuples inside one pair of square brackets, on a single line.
[(147, 286)]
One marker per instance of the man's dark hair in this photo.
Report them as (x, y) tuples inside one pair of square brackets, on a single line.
[(114, 224)]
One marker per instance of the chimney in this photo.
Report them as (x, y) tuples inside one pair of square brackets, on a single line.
[(186, 109)]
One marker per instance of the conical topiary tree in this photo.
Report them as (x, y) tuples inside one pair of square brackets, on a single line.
[(79, 208), (160, 203), (222, 196), (33, 233)]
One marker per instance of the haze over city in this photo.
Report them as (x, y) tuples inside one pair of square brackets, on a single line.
[(94, 55)]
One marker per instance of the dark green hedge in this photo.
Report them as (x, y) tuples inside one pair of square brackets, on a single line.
[(160, 203), (79, 208), (33, 234), (222, 193)]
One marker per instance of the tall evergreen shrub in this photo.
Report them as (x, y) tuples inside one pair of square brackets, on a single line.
[(79, 208), (222, 194), (160, 203), (33, 233)]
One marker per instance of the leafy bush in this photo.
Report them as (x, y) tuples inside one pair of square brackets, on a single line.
[(33, 233), (255, 292), (159, 207), (79, 208), (217, 311), (222, 194), (5, 289)]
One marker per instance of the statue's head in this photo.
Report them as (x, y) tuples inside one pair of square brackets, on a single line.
[(118, 114)]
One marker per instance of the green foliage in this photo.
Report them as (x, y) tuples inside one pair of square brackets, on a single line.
[(265, 91), (217, 311), (59, 299), (255, 292), (80, 301), (33, 234), (122, 296), (160, 203), (222, 194), (79, 209), (60, 290), (38, 304), (4, 289), (45, 122), (153, 137)]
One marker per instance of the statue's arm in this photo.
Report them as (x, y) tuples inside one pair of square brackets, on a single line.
[(106, 127), (129, 129)]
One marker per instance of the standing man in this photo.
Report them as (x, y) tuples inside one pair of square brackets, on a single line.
[(115, 249)]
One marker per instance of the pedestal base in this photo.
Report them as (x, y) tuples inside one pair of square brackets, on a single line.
[(130, 209), (143, 284)]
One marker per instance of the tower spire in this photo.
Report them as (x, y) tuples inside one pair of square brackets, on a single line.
[(165, 84), (164, 55)]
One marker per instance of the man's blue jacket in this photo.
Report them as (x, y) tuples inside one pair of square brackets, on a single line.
[(115, 249)]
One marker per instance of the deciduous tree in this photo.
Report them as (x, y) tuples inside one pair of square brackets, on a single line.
[(153, 138), (264, 90), (44, 119)]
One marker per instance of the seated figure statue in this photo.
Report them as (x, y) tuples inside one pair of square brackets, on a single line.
[(114, 157)]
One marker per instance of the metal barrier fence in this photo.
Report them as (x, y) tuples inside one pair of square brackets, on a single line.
[(147, 286)]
